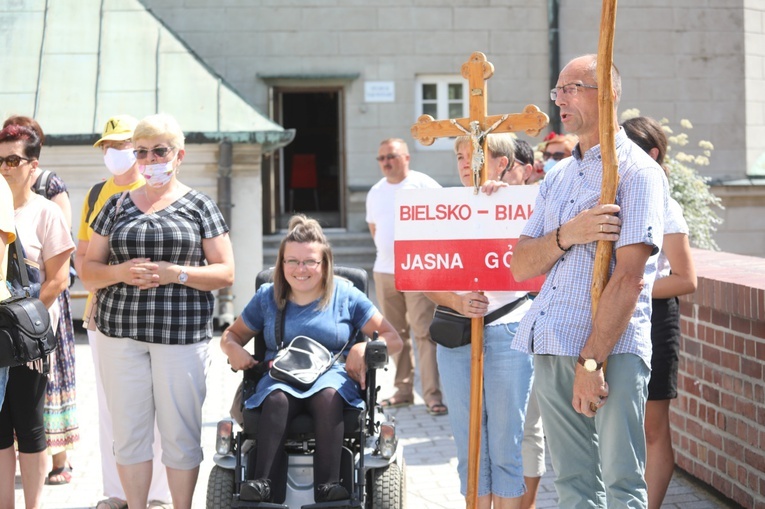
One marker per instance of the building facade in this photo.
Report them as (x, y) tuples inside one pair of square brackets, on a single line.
[(349, 73)]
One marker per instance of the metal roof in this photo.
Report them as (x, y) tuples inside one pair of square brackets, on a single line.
[(73, 64)]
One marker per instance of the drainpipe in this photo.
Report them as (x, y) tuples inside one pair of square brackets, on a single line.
[(553, 35), (225, 295)]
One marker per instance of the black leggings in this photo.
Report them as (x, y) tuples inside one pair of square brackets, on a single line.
[(23, 410), (279, 408)]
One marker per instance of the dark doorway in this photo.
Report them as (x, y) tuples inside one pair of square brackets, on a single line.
[(311, 168)]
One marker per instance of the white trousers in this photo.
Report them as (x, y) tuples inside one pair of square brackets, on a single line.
[(159, 489)]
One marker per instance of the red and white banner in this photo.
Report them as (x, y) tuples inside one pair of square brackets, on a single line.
[(454, 240)]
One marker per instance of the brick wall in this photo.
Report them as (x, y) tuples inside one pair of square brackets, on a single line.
[(718, 420)]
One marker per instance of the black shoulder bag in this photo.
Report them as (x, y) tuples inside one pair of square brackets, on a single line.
[(303, 361), (25, 330), (452, 329)]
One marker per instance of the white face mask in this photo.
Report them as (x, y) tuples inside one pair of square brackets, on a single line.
[(119, 161), (157, 175)]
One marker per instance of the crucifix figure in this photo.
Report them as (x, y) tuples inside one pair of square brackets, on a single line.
[(477, 70)]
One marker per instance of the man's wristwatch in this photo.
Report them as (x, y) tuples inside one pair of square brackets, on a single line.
[(590, 365), (183, 277)]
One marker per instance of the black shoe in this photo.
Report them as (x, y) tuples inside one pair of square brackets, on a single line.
[(330, 492), (258, 490)]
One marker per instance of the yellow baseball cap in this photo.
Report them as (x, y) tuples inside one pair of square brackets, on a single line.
[(118, 128)]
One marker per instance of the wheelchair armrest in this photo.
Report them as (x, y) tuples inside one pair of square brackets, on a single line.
[(376, 355)]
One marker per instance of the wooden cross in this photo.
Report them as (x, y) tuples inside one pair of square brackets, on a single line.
[(477, 70)]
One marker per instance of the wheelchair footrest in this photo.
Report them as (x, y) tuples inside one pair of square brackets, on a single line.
[(337, 504), (257, 505)]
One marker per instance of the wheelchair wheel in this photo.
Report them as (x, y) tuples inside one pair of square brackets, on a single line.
[(220, 488), (389, 487)]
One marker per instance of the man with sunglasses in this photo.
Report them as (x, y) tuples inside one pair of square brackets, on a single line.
[(593, 417), (404, 310), (117, 147)]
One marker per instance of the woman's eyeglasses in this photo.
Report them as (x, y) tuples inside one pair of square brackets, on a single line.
[(143, 153), (309, 264), (13, 161), (555, 155)]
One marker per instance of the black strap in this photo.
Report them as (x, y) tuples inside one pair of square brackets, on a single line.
[(279, 327), (507, 308), (17, 272), (93, 195)]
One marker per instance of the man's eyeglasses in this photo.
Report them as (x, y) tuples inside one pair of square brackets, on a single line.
[(569, 89), (157, 151), (12, 161), (555, 155), (386, 157), (309, 264)]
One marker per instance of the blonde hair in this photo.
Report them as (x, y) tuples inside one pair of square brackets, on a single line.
[(498, 145), (303, 230), (160, 124)]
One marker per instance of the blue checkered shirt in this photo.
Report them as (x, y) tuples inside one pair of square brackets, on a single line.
[(559, 321)]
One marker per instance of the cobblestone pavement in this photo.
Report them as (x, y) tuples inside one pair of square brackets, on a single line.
[(428, 449)]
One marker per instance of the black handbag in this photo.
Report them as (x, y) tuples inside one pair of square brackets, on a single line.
[(25, 330), (303, 361), (452, 329)]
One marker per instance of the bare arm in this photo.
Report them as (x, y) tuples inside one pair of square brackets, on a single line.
[(615, 308), (355, 364), (372, 229), (56, 277), (218, 273), (232, 343), (534, 256), (79, 259), (682, 280), (96, 271), (471, 304)]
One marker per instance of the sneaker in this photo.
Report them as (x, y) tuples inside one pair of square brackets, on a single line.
[(258, 490), (330, 492)]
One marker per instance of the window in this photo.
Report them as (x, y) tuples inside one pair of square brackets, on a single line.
[(442, 97)]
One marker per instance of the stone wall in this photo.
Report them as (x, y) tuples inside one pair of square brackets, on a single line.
[(718, 420)]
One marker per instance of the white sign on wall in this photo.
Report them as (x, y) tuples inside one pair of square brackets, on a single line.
[(379, 91)]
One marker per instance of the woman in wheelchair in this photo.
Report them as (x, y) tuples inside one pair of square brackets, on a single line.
[(328, 310)]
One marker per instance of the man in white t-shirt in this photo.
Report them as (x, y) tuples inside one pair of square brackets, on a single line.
[(404, 310)]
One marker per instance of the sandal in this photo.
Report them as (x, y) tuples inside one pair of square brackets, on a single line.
[(158, 504), (112, 503), (396, 402), (437, 409), (64, 473)]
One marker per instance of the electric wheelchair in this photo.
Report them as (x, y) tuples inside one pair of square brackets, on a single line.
[(372, 465)]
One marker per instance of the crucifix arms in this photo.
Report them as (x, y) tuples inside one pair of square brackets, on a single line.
[(531, 121)]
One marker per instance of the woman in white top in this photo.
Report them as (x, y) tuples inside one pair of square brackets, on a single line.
[(507, 373), (44, 234), (675, 276)]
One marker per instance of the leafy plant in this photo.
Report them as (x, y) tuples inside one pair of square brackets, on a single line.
[(690, 189)]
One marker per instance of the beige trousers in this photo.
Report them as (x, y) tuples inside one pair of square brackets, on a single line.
[(405, 311)]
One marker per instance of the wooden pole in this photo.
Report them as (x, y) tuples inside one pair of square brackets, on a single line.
[(607, 125), (477, 76)]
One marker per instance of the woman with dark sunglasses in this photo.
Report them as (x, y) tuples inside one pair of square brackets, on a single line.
[(156, 255), (45, 236)]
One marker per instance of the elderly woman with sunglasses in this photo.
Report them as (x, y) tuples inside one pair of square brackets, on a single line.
[(44, 234), (156, 255)]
